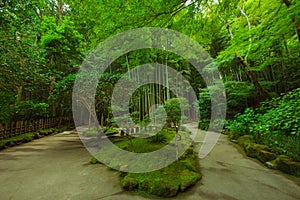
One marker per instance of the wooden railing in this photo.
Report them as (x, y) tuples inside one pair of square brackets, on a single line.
[(20, 127)]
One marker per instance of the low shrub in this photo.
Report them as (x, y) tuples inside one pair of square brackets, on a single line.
[(158, 138), (203, 124)]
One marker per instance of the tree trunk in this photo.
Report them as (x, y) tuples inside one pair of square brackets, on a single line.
[(59, 16), (254, 80), (61, 115), (177, 139), (19, 95), (52, 82), (39, 13), (298, 32), (259, 89)]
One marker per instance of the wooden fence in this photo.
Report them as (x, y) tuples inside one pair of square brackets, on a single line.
[(20, 127)]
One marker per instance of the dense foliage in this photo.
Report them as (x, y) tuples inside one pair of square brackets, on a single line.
[(276, 123), (255, 45)]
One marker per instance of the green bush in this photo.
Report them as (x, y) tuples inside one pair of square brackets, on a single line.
[(204, 103), (203, 124), (158, 138)]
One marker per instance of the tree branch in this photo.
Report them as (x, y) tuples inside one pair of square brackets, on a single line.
[(250, 35)]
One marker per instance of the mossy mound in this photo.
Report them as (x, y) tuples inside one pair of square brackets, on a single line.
[(17, 140), (244, 140), (285, 164), (166, 182), (270, 159), (265, 156), (42, 133), (253, 149)]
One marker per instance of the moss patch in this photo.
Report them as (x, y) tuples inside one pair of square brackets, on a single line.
[(111, 131), (244, 140), (27, 137), (253, 149), (265, 156), (166, 182), (13, 141), (270, 159), (95, 161), (285, 164)]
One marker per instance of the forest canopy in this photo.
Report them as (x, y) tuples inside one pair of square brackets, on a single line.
[(255, 45)]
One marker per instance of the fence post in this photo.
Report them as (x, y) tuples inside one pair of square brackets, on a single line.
[(21, 127), (13, 128), (17, 128), (1, 131)]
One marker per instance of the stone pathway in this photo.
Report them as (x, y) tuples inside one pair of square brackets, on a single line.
[(57, 167)]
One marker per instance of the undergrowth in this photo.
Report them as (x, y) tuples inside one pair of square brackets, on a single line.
[(275, 123)]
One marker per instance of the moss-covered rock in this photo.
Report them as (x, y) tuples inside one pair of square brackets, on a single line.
[(111, 131), (129, 183), (188, 179), (288, 166), (166, 182), (187, 153), (244, 140), (159, 187), (94, 161), (253, 149), (265, 156), (42, 133), (271, 165)]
